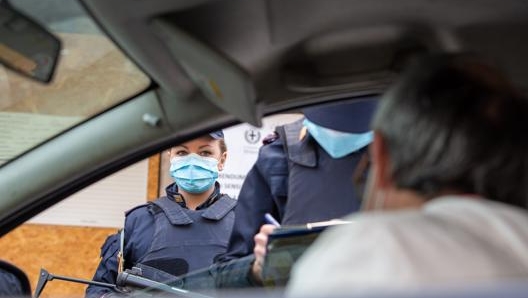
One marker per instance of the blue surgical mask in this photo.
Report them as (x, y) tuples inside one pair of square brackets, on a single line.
[(336, 143), (194, 173)]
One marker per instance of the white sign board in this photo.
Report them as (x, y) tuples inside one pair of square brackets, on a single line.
[(243, 143)]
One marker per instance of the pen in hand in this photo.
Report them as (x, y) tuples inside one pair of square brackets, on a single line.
[(271, 220)]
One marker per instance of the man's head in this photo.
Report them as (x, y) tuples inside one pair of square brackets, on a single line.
[(452, 124)]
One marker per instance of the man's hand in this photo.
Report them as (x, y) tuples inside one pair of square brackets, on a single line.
[(261, 242)]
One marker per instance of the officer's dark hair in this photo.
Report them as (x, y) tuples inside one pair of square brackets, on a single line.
[(454, 123)]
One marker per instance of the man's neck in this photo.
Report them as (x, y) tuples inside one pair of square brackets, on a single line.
[(403, 199)]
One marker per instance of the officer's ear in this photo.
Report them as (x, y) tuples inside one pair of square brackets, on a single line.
[(222, 160)]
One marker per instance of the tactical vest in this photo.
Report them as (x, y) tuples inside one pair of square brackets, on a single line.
[(319, 186), (186, 240)]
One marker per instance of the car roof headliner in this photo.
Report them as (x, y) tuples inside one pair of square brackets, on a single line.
[(283, 45)]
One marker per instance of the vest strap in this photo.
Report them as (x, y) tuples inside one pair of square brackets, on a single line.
[(220, 208), (173, 211)]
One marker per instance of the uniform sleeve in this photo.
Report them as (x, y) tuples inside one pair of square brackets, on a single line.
[(139, 230), (254, 201), (263, 190), (13, 281), (107, 270), (231, 269)]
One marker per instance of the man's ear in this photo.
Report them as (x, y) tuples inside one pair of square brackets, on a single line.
[(381, 161)]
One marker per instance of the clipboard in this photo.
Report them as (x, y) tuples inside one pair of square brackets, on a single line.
[(285, 245)]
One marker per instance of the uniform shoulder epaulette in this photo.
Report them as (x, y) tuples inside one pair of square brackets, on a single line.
[(137, 207), (270, 138)]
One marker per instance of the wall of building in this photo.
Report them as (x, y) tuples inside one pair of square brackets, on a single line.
[(63, 250)]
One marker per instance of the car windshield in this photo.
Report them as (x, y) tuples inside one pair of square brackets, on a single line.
[(91, 76)]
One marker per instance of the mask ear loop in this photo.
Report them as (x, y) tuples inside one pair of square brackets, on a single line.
[(221, 162)]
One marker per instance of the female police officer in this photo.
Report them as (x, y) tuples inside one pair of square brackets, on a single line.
[(180, 232)]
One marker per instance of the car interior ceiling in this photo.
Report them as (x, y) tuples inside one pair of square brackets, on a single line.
[(305, 48)]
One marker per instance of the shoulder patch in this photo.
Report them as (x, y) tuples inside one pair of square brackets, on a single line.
[(154, 209), (270, 138)]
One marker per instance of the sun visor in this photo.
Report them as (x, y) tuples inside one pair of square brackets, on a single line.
[(218, 78)]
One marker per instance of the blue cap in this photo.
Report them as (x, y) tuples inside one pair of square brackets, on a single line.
[(353, 116), (217, 135)]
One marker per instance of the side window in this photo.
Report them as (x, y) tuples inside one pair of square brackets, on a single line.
[(66, 239)]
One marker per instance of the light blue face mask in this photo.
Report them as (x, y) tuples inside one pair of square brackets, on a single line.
[(337, 144), (194, 173)]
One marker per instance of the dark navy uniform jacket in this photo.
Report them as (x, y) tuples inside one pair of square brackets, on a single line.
[(13, 281), (297, 184), (165, 239)]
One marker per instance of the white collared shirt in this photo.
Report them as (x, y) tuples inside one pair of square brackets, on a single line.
[(452, 239)]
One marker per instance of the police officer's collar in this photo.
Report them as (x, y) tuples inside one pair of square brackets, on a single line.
[(174, 195), (301, 151), (215, 208)]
